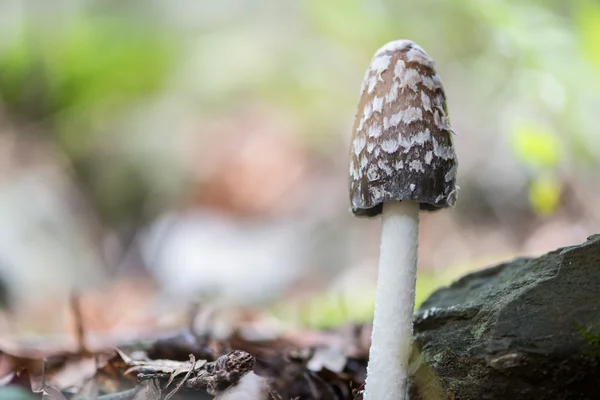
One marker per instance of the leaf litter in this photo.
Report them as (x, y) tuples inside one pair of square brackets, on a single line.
[(296, 364)]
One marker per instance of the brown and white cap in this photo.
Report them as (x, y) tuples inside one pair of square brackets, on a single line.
[(402, 147)]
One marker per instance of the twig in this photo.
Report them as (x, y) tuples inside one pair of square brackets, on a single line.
[(185, 378)]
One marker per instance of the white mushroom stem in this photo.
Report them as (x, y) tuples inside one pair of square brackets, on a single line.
[(391, 339)]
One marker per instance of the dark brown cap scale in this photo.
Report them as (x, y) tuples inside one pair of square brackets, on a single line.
[(402, 146)]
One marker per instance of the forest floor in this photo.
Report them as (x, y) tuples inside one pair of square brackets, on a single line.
[(200, 359)]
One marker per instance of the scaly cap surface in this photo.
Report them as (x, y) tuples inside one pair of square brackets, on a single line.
[(402, 147)]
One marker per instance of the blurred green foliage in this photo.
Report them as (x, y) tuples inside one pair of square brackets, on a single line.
[(539, 149), (83, 73), (535, 146), (587, 23), (331, 309), (76, 81), (544, 194)]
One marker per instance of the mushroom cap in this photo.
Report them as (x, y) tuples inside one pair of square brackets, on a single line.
[(402, 147)]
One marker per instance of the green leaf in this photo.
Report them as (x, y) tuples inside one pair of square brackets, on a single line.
[(536, 146), (544, 195), (587, 22), (96, 60)]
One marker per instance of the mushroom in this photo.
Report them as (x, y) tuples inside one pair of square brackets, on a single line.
[(402, 160)]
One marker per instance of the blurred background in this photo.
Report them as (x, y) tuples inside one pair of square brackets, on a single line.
[(155, 153)]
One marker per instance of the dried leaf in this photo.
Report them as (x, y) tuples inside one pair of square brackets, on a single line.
[(163, 367)]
